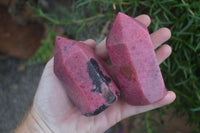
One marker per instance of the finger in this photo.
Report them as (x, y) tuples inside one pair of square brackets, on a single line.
[(163, 52), (90, 42), (160, 36), (101, 50), (129, 110), (144, 19)]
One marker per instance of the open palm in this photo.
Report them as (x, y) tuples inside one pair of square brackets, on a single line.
[(54, 111)]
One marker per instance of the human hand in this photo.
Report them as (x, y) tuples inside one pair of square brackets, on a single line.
[(53, 111)]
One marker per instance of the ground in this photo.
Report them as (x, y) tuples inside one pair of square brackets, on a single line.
[(17, 89)]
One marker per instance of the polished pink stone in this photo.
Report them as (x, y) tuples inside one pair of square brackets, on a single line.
[(132, 55), (86, 82)]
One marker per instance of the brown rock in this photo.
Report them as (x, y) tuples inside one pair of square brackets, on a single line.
[(4, 2), (17, 40)]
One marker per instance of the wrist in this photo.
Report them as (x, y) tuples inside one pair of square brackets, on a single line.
[(32, 123)]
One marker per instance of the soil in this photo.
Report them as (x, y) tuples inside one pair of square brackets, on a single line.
[(167, 122), (17, 39)]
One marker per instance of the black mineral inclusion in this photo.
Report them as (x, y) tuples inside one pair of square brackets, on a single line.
[(97, 75), (98, 78), (97, 111)]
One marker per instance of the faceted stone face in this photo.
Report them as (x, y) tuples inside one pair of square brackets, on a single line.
[(132, 55), (86, 82)]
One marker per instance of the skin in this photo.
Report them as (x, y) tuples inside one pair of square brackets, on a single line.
[(52, 110)]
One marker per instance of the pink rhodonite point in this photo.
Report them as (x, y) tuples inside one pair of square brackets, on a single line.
[(132, 55), (86, 82)]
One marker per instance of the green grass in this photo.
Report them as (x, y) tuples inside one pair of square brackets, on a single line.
[(181, 71)]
